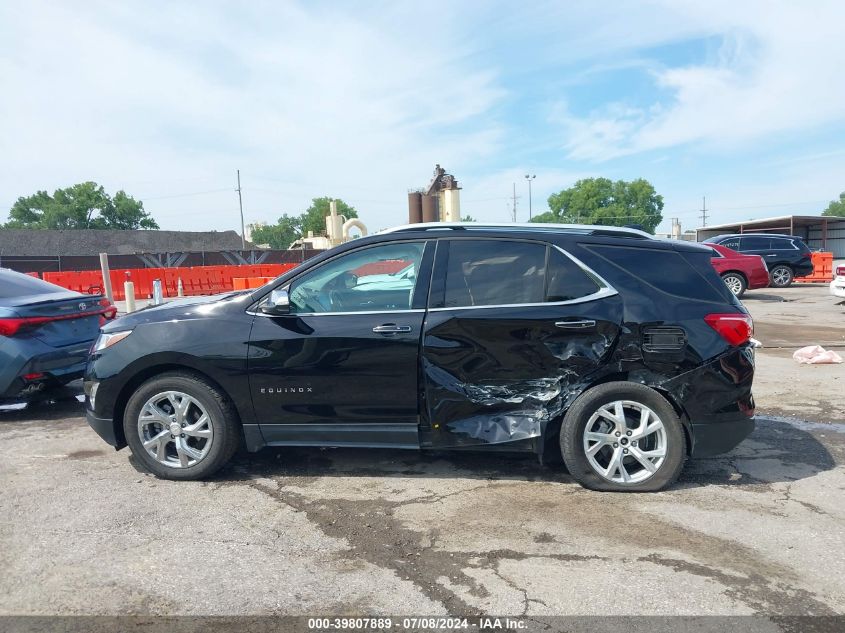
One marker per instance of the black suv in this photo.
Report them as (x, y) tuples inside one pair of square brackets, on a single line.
[(786, 256), (620, 353)]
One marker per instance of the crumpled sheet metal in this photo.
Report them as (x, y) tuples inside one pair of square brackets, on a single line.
[(496, 429), (816, 355), (541, 401)]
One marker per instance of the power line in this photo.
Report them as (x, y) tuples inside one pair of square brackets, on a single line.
[(183, 195)]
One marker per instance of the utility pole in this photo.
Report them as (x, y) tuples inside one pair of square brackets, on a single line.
[(514, 202), (703, 211), (241, 205), (530, 206)]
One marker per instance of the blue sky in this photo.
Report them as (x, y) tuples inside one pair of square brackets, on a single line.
[(741, 102)]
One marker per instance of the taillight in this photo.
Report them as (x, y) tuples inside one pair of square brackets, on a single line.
[(109, 311), (10, 327), (736, 329), (840, 271)]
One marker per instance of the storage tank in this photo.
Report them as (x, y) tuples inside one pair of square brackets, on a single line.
[(415, 213), (430, 212)]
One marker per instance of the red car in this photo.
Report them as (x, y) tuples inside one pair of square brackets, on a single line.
[(739, 272)]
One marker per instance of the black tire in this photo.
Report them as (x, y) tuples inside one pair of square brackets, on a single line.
[(781, 276), (736, 283), (223, 420), (579, 414)]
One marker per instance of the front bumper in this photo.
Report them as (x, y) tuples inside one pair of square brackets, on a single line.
[(104, 428), (837, 287)]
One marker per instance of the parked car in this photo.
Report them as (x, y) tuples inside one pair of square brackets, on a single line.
[(837, 286), (740, 272), (786, 256), (620, 353), (46, 333)]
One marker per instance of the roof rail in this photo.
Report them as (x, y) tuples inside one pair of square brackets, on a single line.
[(585, 229)]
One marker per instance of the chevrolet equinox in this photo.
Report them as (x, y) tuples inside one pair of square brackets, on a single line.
[(622, 354)]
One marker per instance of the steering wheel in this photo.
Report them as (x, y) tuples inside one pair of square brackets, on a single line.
[(335, 299)]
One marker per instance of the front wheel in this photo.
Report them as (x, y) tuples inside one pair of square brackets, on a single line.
[(781, 276), (735, 283), (623, 436), (179, 426)]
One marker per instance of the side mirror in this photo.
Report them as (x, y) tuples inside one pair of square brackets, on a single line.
[(278, 303)]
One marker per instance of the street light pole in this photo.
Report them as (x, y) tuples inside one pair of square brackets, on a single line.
[(530, 209)]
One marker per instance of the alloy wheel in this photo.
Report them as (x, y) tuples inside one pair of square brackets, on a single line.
[(625, 442), (733, 283), (781, 276), (175, 429)]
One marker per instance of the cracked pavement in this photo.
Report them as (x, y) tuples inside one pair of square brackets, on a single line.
[(308, 531)]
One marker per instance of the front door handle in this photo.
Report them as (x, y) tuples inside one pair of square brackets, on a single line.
[(391, 328), (582, 324)]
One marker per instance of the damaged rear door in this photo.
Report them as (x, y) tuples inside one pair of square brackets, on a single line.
[(513, 327)]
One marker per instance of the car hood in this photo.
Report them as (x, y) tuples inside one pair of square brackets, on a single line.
[(180, 310)]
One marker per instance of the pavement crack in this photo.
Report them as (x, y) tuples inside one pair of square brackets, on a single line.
[(752, 589)]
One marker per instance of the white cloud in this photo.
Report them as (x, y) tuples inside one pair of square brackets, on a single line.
[(779, 70), (164, 99)]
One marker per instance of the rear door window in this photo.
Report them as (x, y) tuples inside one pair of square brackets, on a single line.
[(494, 272), (755, 243), (567, 280), (783, 244)]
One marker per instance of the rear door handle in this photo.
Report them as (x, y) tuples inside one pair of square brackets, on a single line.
[(582, 324), (391, 328)]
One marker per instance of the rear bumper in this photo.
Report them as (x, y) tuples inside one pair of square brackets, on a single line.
[(104, 428), (58, 364), (716, 438), (758, 279), (716, 398)]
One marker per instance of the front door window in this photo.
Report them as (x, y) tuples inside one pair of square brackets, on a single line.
[(381, 278)]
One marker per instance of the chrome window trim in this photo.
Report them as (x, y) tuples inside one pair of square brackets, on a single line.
[(316, 314), (600, 294), (605, 290)]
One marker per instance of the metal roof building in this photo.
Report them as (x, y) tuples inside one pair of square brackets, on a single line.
[(820, 232)]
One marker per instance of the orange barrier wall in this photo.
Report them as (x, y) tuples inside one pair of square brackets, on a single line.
[(196, 280), (386, 267), (822, 269)]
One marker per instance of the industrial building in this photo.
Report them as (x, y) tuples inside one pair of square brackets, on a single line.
[(439, 202), (820, 232)]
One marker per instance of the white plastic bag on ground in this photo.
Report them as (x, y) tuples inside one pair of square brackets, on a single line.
[(816, 355)]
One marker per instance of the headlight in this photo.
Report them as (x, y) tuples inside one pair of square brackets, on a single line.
[(105, 341)]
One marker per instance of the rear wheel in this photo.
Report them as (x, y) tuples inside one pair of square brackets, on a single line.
[(735, 283), (180, 427), (623, 436), (781, 276)]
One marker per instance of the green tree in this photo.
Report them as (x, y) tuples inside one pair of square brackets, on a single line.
[(83, 206), (603, 201), (289, 228), (836, 207), (467, 218), (280, 235), (314, 218)]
